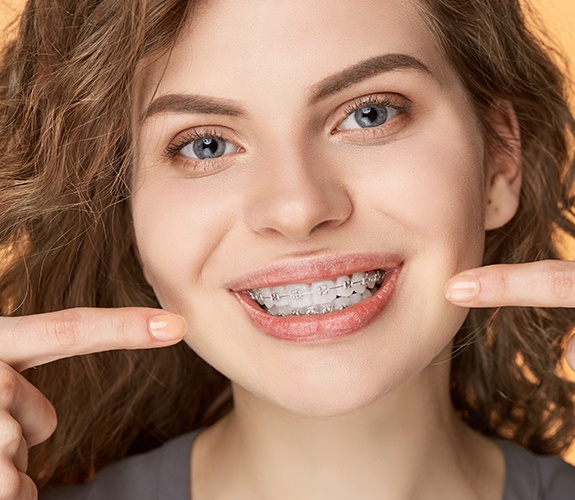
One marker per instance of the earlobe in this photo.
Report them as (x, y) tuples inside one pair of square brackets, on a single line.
[(502, 202), (503, 182)]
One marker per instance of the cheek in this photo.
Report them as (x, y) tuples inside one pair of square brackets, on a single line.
[(432, 183), (176, 230), (448, 194), (427, 192)]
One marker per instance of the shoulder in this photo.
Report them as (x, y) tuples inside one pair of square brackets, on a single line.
[(535, 477), (161, 473)]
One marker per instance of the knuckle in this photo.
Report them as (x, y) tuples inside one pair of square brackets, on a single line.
[(66, 330), (561, 282), (50, 421), (9, 386), (11, 482), (124, 327), (503, 283), (46, 422), (10, 435)]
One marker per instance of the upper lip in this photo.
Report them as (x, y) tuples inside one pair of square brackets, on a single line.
[(306, 270)]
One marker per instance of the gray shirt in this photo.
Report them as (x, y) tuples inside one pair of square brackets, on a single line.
[(164, 474)]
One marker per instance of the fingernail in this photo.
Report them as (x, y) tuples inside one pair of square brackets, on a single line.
[(462, 289), (167, 327)]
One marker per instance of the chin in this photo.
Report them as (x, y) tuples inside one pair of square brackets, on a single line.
[(323, 408), (333, 394)]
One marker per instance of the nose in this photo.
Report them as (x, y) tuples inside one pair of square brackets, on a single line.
[(296, 195)]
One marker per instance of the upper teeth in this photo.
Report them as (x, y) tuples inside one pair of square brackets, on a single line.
[(319, 297)]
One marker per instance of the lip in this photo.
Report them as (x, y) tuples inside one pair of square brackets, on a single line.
[(324, 327), (314, 269)]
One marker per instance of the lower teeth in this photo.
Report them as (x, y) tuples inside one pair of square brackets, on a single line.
[(341, 302)]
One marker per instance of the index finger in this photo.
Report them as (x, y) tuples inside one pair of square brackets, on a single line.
[(29, 341), (548, 283)]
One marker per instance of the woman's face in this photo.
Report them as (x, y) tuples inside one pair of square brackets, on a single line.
[(289, 143)]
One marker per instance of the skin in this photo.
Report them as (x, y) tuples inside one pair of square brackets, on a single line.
[(316, 210), (297, 184), (300, 191), (26, 417)]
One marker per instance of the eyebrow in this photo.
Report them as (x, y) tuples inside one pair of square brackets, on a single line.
[(363, 71), (198, 104), (191, 103)]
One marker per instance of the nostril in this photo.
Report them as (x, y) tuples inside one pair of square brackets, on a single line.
[(298, 220), (296, 200)]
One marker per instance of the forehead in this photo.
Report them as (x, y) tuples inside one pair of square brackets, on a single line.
[(233, 48)]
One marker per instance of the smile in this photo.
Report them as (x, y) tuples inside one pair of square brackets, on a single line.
[(319, 297)]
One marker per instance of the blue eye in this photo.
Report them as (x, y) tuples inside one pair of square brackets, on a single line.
[(207, 148), (369, 116)]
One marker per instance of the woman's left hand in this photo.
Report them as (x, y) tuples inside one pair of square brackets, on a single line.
[(548, 283)]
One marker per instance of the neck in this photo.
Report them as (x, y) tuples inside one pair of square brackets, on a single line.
[(408, 444)]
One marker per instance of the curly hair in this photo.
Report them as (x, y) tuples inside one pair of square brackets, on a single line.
[(66, 148), (66, 142), (506, 377)]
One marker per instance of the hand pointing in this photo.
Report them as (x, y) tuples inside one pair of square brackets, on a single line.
[(549, 283), (26, 416)]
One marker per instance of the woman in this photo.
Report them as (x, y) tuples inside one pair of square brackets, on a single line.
[(358, 156)]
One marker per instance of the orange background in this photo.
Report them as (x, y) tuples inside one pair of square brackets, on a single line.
[(559, 17), (558, 14)]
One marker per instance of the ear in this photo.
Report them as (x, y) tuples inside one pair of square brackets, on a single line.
[(503, 168)]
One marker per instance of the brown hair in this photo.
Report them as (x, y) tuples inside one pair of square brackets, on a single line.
[(506, 378), (66, 143), (66, 233)]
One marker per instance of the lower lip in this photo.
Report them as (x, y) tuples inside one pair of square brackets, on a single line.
[(322, 327)]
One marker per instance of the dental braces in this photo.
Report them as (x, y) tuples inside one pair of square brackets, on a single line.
[(369, 279)]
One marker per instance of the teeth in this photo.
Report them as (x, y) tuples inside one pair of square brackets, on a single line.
[(323, 292), (279, 296), (320, 297), (266, 297), (359, 281), (341, 303), (299, 295), (355, 298), (373, 278), (344, 286)]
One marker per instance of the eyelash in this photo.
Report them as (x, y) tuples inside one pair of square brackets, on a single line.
[(188, 137), (210, 165), (370, 100)]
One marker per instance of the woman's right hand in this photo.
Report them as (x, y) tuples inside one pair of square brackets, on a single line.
[(26, 417)]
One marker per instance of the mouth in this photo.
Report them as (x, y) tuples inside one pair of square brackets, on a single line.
[(319, 300), (318, 297)]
